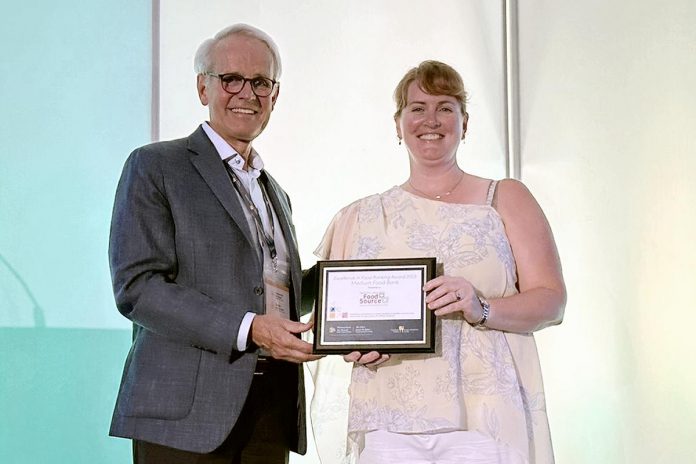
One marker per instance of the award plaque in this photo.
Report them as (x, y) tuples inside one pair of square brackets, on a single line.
[(373, 305)]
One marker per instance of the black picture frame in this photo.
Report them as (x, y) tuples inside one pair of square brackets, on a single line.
[(348, 287)]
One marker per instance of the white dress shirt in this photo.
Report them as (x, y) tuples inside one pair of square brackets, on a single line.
[(249, 179)]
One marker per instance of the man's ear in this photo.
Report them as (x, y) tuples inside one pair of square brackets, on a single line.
[(275, 96), (202, 85)]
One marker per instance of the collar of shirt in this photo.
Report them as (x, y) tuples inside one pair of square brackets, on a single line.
[(230, 155)]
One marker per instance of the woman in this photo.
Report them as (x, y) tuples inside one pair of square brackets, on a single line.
[(480, 397)]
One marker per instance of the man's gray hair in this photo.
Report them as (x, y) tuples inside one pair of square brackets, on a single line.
[(202, 63)]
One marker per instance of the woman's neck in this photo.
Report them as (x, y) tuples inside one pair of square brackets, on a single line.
[(436, 182), (442, 175)]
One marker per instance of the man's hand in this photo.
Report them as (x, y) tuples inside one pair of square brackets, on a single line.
[(276, 336)]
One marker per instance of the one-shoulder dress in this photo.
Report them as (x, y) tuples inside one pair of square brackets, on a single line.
[(478, 380)]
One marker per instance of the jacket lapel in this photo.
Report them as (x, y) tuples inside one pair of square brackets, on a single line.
[(282, 210), (208, 163)]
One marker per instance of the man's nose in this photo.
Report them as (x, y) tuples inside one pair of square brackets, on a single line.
[(246, 91)]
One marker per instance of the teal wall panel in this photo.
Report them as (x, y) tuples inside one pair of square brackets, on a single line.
[(75, 87), (57, 392), (75, 90)]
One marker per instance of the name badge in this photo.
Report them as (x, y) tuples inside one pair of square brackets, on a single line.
[(277, 298)]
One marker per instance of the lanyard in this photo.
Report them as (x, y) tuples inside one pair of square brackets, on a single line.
[(268, 238)]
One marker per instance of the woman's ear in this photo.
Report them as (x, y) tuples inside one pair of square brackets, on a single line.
[(465, 124)]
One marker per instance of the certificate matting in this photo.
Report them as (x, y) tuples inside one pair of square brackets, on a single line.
[(366, 305)]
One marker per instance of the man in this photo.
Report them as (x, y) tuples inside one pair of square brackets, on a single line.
[(204, 262)]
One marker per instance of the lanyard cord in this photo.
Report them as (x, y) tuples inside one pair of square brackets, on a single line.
[(269, 239)]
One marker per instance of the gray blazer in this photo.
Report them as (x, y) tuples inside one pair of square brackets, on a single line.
[(185, 270)]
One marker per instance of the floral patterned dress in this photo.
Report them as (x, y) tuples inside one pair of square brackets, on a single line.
[(478, 380)]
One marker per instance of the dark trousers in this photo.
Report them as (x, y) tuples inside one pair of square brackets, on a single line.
[(261, 435)]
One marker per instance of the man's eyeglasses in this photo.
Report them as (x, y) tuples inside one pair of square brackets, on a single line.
[(233, 83)]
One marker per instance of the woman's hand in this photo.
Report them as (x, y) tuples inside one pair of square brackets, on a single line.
[(447, 295), (371, 359)]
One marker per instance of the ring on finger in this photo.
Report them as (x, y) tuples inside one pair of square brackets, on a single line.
[(457, 295)]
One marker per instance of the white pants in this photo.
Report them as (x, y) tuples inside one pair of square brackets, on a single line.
[(383, 447)]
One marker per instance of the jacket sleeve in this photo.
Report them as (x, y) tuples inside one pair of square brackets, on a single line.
[(144, 264)]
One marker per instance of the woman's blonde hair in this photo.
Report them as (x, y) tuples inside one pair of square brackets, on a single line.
[(434, 78)]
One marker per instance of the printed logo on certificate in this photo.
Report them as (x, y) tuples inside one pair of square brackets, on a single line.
[(365, 305)]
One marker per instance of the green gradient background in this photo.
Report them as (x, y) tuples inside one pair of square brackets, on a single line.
[(75, 89)]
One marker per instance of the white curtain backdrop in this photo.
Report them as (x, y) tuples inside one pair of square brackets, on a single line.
[(608, 112)]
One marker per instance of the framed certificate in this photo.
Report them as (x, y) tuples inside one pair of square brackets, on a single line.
[(373, 305)]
